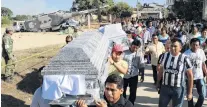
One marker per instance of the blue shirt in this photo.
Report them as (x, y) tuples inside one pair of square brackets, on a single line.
[(163, 39), (202, 39), (151, 30)]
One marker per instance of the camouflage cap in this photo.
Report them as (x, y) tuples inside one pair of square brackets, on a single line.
[(76, 27), (9, 29)]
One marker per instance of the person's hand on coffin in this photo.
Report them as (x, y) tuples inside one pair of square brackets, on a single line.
[(101, 103), (81, 103)]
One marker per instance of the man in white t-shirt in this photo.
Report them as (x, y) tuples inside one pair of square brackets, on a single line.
[(197, 58), (146, 35)]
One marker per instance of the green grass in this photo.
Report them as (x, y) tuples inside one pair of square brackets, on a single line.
[(5, 25)]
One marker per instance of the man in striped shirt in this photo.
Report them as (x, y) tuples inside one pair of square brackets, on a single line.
[(173, 68)]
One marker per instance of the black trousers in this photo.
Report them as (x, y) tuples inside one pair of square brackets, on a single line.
[(154, 69), (141, 70), (148, 57), (132, 83)]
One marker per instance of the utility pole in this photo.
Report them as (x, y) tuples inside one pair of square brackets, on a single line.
[(99, 11), (204, 13), (137, 9)]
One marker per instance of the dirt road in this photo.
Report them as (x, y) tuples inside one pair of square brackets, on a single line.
[(33, 40)]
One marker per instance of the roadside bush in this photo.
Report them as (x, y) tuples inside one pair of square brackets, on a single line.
[(5, 20)]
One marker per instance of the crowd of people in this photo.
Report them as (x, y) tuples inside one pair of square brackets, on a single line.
[(176, 51), (174, 48)]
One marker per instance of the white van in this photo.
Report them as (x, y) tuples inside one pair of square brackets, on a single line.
[(18, 26)]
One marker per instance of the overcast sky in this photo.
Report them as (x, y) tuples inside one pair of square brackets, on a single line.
[(32, 7)]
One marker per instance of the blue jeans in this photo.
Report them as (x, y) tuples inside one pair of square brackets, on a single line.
[(201, 90), (167, 93)]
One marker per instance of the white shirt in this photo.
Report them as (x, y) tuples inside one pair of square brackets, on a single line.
[(38, 101), (140, 52), (198, 34), (139, 30), (197, 59), (54, 86), (157, 50), (172, 27), (183, 39), (177, 28), (147, 36)]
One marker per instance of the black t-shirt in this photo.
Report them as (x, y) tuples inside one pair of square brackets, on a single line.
[(122, 102)]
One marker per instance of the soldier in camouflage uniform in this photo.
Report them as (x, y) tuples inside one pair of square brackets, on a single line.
[(75, 33), (7, 54)]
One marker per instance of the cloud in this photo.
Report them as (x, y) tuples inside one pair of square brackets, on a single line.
[(29, 7)]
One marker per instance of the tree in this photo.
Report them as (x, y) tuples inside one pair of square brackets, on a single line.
[(79, 5), (89, 4), (139, 6), (121, 9), (106, 10), (5, 20), (85, 4), (22, 17), (6, 12), (190, 10), (165, 12)]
